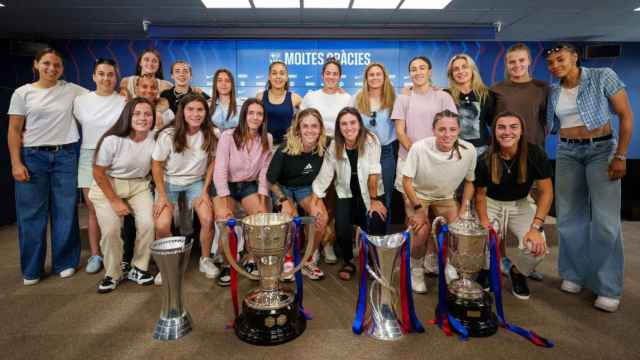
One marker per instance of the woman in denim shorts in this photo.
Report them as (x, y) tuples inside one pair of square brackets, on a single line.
[(302, 152), (183, 163), (240, 174)]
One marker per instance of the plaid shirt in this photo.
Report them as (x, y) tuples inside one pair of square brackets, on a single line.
[(597, 85)]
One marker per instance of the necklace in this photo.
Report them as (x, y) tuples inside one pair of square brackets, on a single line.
[(508, 167)]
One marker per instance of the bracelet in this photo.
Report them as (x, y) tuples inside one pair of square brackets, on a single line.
[(619, 156), (538, 218)]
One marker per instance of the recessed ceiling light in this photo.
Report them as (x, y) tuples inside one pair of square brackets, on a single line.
[(425, 4), (226, 4), (375, 4), (326, 4), (1, 5), (637, 9), (276, 4)]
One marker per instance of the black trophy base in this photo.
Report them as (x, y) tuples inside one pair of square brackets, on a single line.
[(476, 315), (270, 327)]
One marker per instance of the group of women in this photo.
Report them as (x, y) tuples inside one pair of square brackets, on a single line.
[(328, 154)]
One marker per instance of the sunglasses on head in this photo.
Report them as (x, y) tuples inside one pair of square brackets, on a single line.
[(372, 119), (556, 49)]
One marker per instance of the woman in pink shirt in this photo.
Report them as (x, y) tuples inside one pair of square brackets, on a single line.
[(240, 173)]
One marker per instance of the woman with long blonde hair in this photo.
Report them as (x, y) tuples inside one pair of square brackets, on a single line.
[(294, 166)]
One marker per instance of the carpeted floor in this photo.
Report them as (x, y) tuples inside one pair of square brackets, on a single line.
[(67, 319)]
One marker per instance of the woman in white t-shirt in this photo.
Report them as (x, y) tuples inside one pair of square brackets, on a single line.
[(96, 112), (183, 161), (44, 163), (148, 88), (149, 63), (434, 169), (121, 187), (225, 112)]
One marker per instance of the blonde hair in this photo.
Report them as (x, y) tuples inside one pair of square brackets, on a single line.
[(513, 48), (293, 138), (477, 85), (388, 94)]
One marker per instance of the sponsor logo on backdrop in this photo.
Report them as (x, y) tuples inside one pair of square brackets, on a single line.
[(352, 58)]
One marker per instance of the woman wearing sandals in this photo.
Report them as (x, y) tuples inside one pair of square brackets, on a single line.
[(354, 159), (240, 173), (121, 187), (294, 166), (589, 166), (96, 112), (183, 161)]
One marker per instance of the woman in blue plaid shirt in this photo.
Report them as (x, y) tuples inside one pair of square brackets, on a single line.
[(589, 165)]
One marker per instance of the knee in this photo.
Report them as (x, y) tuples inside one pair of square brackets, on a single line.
[(162, 225)]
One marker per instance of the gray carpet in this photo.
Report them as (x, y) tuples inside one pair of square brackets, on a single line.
[(67, 319)]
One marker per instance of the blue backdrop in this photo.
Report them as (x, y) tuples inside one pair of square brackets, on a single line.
[(249, 59)]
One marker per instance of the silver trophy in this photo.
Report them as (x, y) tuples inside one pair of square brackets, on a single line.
[(171, 254), (382, 321), (270, 314)]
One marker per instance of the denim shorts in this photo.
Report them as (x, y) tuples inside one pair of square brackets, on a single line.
[(297, 193), (241, 189), (192, 191)]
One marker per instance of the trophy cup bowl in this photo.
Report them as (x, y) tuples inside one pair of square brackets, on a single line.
[(171, 254), (382, 322), (466, 299), (270, 315)]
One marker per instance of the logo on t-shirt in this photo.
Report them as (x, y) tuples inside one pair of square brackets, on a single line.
[(308, 169)]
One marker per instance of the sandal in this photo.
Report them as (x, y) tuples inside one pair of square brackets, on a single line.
[(347, 271)]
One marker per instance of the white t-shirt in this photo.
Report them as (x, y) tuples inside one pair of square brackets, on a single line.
[(328, 105), (48, 113), (96, 114), (125, 158), (567, 108), (182, 168), (435, 175)]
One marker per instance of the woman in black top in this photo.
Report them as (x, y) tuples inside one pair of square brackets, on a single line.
[(294, 166), (504, 177)]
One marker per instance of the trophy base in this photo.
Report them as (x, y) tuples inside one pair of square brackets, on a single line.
[(474, 314), (173, 328), (270, 327)]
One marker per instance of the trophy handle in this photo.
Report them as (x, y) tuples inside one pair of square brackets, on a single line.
[(434, 225), (231, 258), (305, 220)]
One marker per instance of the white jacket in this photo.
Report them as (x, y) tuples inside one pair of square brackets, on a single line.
[(368, 164)]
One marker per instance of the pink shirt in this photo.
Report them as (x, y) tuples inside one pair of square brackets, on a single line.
[(247, 164), (418, 111)]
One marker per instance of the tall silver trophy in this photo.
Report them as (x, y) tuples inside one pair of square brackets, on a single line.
[(466, 248), (171, 254), (270, 315), (382, 322)]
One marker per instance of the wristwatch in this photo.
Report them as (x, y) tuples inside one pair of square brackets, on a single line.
[(537, 227), (620, 156)]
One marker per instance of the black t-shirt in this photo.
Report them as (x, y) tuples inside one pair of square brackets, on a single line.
[(538, 167), (475, 118), (289, 170), (173, 99), (352, 154)]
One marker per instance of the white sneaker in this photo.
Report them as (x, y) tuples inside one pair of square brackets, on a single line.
[(67, 273), (209, 268), (288, 266), (431, 264), (607, 304), (570, 287), (417, 276), (29, 282), (329, 255), (158, 279)]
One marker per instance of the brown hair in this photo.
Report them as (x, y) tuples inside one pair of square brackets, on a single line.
[(180, 127), (515, 47), (388, 94), (241, 132), (181, 62), (293, 138), (232, 97), (42, 53), (361, 139), (155, 52), (332, 61), (449, 114), (278, 62), (493, 155)]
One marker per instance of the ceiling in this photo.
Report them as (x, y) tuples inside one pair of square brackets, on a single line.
[(525, 20)]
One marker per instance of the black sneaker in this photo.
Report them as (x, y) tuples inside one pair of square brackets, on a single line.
[(224, 279), (140, 277), (484, 279), (126, 267), (107, 285), (519, 286), (251, 268)]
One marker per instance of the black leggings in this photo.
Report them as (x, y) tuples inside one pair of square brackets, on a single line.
[(350, 212)]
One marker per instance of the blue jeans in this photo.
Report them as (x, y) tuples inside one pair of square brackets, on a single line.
[(588, 208), (297, 193), (51, 192), (388, 159), (191, 191)]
